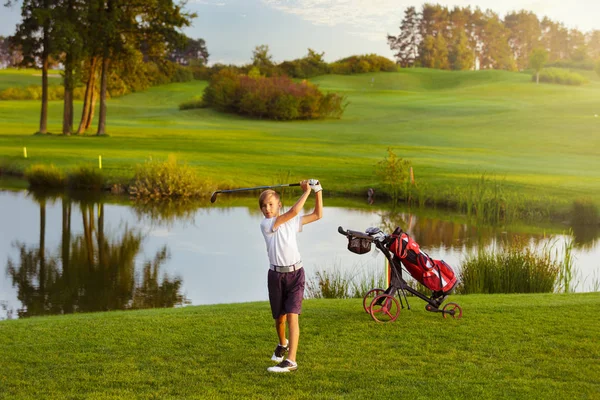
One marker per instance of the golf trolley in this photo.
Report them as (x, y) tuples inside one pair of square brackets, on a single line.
[(404, 254)]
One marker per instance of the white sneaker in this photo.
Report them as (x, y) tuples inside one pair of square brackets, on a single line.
[(279, 352), (284, 366)]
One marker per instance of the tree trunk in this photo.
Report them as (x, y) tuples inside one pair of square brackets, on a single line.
[(103, 87), (92, 106), (537, 78), (44, 111), (87, 100), (68, 98)]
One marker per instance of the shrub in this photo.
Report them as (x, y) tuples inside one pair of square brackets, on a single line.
[(514, 269), (86, 177), (156, 180), (196, 102), (561, 77), (362, 64), (584, 212), (223, 91), (182, 74), (47, 176), (585, 65), (276, 98)]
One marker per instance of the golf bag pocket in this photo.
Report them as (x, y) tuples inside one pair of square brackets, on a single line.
[(359, 245)]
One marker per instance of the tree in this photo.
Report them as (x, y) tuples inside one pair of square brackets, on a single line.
[(555, 39), (525, 33), (494, 50), (577, 46), (263, 60), (593, 44), (124, 25), (461, 56), (597, 67), (33, 37), (406, 44), (4, 52), (194, 52), (537, 60)]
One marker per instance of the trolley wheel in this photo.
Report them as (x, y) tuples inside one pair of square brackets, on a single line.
[(371, 294), (452, 309), (384, 308)]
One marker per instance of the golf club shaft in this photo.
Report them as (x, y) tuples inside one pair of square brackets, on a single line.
[(257, 188)]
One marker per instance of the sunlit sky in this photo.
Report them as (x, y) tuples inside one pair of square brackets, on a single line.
[(339, 28)]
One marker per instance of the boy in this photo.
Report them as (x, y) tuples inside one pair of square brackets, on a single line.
[(286, 275)]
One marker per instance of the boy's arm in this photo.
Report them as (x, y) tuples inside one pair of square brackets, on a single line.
[(317, 214), (296, 208)]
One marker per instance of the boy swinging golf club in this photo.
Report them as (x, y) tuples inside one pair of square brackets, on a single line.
[(286, 275)]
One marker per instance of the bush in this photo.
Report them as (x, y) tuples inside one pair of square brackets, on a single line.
[(277, 98), (584, 212), (223, 91), (157, 180), (586, 65), (196, 102), (362, 64), (86, 177), (47, 176), (182, 74), (561, 77)]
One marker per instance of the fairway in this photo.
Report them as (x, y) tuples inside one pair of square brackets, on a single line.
[(505, 346), (539, 140)]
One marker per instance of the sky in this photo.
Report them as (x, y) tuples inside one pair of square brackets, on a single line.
[(339, 28)]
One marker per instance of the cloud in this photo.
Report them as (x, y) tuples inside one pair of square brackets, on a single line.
[(369, 19)]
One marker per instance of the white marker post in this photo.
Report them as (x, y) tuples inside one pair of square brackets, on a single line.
[(25, 152), (100, 162)]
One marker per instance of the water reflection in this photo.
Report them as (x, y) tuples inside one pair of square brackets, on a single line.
[(67, 254), (90, 271)]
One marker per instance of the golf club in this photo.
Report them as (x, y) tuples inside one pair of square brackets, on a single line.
[(213, 198)]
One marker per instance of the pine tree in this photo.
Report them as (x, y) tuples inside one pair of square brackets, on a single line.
[(406, 44)]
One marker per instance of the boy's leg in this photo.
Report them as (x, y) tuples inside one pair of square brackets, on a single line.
[(280, 328), (294, 327)]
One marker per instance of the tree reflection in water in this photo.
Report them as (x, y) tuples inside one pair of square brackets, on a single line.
[(91, 271)]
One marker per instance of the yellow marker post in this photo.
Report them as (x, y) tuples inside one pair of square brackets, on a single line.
[(25, 152), (100, 162)]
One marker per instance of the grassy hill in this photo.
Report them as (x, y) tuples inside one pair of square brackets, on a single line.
[(539, 140), (505, 346), (26, 77)]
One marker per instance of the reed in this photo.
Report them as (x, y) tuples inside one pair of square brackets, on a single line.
[(334, 283), (169, 179), (514, 268), (47, 176), (86, 177)]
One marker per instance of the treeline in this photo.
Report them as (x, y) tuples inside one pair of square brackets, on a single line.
[(311, 65), (119, 45), (460, 38)]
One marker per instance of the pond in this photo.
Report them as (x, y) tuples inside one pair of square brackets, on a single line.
[(63, 254)]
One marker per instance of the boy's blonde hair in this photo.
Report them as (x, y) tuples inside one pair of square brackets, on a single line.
[(266, 194)]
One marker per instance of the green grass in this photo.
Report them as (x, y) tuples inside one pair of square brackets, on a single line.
[(26, 77), (453, 127), (505, 346)]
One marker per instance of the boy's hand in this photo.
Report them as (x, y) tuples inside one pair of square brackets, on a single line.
[(315, 185), (305, 185)]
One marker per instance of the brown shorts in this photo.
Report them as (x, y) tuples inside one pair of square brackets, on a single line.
[(285, 292)]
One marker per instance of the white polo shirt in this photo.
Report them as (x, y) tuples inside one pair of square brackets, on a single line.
[(282, 245)]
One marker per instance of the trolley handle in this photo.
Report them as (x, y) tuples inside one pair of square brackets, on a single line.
[(355, 234)]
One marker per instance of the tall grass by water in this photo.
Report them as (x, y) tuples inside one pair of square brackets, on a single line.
[(167, 179), (516, 267)]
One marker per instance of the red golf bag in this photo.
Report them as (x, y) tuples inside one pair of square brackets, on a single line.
[(436, 275)]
